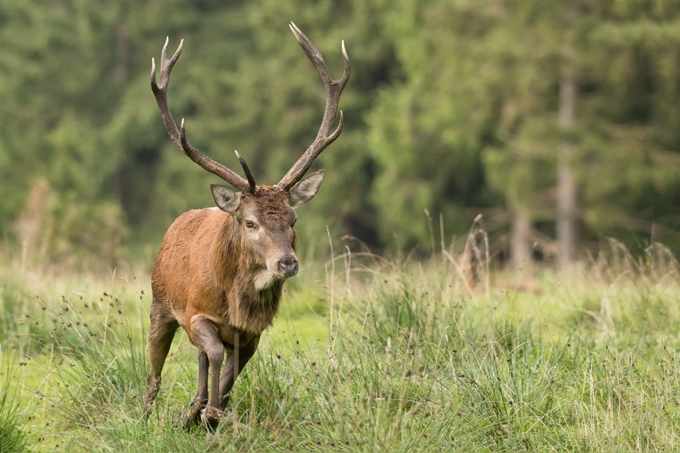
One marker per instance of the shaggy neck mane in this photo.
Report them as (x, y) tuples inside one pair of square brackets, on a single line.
[(251, 295)]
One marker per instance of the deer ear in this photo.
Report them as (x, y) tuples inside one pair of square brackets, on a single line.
[(225, 199), (305, 190)]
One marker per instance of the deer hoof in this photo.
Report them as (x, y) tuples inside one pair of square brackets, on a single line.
[(212, 417), (193, 417)]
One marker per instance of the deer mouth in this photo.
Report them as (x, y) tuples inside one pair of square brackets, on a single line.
[(265, 278)]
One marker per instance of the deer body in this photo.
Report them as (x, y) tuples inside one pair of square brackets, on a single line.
[(203, 270), (220, 271)]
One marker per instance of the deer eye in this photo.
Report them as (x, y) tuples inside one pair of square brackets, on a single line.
[(293, 224), (250, 224)]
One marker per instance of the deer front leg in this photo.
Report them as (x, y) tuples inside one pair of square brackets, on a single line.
[(201, 399), (204, 335), (228, 378)]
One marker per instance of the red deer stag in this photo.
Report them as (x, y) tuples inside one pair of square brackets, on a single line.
[(220, 272)]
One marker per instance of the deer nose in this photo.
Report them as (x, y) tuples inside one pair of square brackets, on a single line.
[(288, 266)]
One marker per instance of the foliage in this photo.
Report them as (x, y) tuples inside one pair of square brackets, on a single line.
[(477, 113), (451, 107)]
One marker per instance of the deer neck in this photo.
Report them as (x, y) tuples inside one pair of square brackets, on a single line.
[(251, 293)]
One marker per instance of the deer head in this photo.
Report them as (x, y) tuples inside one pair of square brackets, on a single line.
[(264, 215)]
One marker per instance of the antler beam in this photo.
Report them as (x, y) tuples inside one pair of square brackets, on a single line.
[(160, 91), (333, 91)]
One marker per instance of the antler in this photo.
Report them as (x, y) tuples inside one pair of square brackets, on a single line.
[(333, 91), (179, 135)]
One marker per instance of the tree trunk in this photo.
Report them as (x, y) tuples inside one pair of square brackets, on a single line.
[(567, 196), (520, 243)]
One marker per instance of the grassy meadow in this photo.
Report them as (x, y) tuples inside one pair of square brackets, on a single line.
[(367, 354)]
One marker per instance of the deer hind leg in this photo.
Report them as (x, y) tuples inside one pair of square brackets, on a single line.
[(228, 378), (201, 399), (161, 332), (204, 335)]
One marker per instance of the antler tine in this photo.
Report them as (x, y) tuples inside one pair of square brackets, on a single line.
[(160, 91), (333, 92), (251, 179)]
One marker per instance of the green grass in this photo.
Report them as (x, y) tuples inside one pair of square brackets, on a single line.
[(367, 357), (12, 435)]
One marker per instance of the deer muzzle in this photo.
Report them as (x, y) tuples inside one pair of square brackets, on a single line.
[(288, 266)]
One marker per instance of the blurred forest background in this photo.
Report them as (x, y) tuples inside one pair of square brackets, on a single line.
[(558, 121)]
